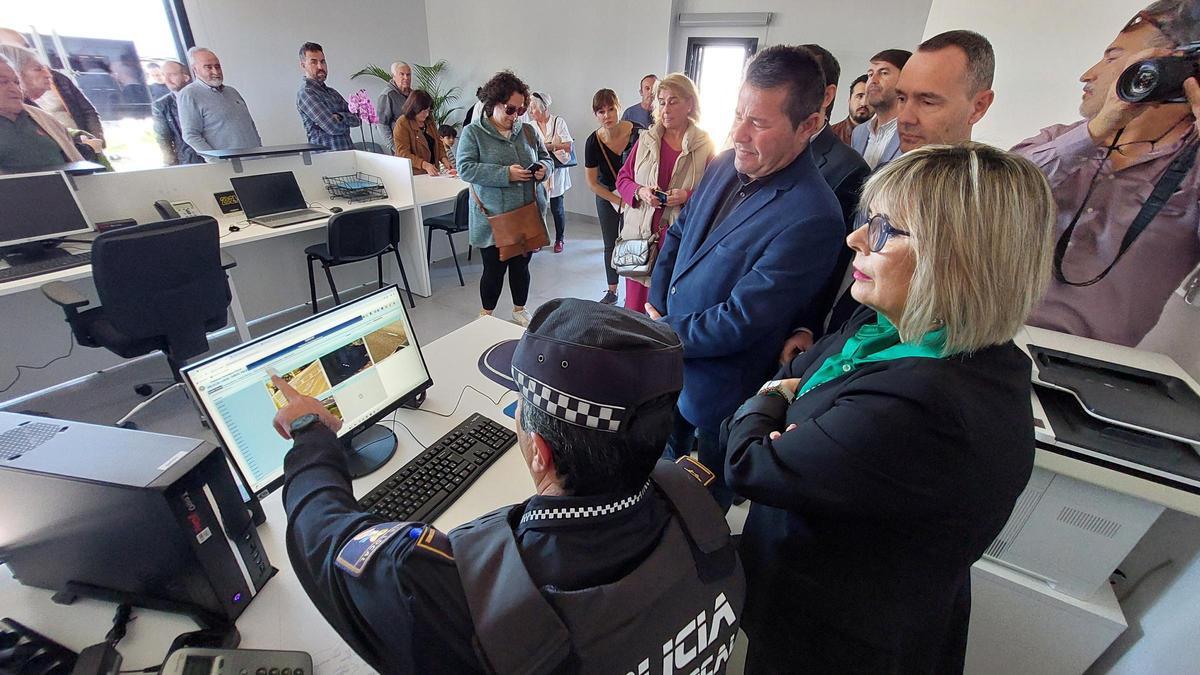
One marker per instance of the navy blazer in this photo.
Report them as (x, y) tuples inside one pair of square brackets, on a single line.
[(734, 296), (858, 141), (867, 517)]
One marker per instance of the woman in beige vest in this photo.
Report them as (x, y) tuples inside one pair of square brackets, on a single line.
[(665, 166)]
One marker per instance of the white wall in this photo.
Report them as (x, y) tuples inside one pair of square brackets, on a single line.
[(258, 43), (567, 49), (853, 30), (1040, 55)]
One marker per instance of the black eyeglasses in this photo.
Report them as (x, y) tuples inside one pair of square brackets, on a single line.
[(514, 110), (879, 229)]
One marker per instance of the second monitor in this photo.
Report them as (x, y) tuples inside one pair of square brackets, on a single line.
[(360, 359)]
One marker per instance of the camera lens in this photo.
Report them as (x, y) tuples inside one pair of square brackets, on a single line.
[(1144, 80)]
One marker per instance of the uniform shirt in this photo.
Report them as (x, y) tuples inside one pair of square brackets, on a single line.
[(215, 118), (877, 139), (326, 115), (405, 611), (1125, 305), (25, 145)]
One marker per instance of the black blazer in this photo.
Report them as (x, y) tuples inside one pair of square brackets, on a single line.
[(867, 517), (843, 168)]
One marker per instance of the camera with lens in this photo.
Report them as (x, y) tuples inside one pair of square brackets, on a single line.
[(1160, 80)]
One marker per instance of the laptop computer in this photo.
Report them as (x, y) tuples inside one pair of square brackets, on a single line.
[(273, 199)]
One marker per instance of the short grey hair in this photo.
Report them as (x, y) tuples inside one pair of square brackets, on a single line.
[(19, 57), (540, 99), (8, 62), (397, 64), (196, 50), (1177, 20), (982, 223)]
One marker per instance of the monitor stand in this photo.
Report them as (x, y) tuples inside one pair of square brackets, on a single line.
[(370, 449), (23, 254)]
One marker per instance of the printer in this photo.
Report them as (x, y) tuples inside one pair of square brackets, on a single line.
[(126, 516), (1118, 440)]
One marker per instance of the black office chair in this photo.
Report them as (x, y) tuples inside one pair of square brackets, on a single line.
[(354, 236), (451, 224), (163, 287)]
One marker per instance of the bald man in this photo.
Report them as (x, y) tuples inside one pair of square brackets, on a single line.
[(212, 114), (76, 103), (392, 100), (166, 117)]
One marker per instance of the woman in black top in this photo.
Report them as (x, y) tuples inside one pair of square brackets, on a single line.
[(604, 154), (883, 461)]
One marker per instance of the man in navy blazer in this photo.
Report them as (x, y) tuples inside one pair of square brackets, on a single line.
[(748, 257)]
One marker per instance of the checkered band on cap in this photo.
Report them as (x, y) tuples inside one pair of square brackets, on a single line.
[(568, 408)]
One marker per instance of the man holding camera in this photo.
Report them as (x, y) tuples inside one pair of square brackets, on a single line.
[(1126, 187)]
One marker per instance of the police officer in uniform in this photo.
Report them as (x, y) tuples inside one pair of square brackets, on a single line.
[(619, 564)]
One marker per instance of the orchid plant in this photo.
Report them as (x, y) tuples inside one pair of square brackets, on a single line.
[(360, 104)]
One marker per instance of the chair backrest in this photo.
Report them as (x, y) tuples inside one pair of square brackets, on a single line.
[(364, 232), (163, 280), (462, 211)]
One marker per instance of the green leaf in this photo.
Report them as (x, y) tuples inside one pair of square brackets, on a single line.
[(374, 70)]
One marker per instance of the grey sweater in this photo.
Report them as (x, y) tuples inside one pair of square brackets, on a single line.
[(484, 155), (214, 119)]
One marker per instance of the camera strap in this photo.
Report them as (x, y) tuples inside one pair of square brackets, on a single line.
[(1163, 189)]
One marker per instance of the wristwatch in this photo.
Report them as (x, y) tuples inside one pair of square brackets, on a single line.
[(776, 388), (303, 423)]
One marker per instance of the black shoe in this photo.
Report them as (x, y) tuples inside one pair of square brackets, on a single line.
[(609, 298)]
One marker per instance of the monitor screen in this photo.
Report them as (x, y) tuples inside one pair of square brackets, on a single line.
[(360, 359), (38, 206), (268, 193)]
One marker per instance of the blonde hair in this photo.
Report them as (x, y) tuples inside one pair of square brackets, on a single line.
[(681, 85), (981, 221)]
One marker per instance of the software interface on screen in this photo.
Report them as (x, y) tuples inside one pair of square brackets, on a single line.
[(357, 360), (37, 206)]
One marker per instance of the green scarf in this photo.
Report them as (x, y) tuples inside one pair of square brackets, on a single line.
[(879, 341)]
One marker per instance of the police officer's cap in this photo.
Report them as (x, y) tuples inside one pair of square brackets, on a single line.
[(592, 364)]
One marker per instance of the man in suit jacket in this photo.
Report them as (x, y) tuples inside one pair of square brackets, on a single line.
[(876, 140), (752, 251), (166, 118)]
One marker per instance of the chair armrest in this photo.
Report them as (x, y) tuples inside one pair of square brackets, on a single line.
[(227, 261), (63, 295)]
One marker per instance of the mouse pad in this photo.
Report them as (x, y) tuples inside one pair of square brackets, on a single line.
[(496, 363)]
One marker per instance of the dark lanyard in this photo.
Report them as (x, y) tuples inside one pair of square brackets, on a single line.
[(1163, 189)]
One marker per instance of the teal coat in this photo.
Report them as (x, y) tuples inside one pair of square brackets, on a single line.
[(483, 158)]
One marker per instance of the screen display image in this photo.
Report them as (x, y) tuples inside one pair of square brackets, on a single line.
[(38, 206), (357, 359)]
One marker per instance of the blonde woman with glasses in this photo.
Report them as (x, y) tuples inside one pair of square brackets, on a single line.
[(882, 462)]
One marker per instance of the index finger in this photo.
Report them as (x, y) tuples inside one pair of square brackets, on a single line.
[(289, 392)]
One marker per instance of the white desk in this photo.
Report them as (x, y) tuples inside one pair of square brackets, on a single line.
[(282, 617), (271, 274)]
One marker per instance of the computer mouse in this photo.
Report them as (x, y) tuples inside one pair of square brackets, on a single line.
[(335, 209)]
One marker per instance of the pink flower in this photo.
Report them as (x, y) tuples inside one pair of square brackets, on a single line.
[(360, 104)]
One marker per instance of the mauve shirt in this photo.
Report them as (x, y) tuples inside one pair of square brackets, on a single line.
[(1126, 304)]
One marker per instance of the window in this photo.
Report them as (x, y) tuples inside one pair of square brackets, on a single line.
[(715, 65), (111, 52)]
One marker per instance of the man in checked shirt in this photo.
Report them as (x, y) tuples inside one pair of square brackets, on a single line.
[(326, 117)]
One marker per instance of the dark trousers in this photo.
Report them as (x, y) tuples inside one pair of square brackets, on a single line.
[(492, 281), (559, 210), (684, 438), (610, 227)]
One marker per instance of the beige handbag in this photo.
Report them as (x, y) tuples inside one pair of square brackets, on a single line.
[(632, 257)]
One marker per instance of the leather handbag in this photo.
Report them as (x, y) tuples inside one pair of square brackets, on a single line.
[(571, 159)]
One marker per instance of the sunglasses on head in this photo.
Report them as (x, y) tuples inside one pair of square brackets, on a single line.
[(514, 110)]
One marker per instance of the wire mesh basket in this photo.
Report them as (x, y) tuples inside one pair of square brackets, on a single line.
[(355, 187)]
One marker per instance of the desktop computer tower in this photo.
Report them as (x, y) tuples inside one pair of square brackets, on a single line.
[(128, 516)]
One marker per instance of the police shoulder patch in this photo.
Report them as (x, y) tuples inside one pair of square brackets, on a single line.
[(433, 543), (356, 553), (696, 469)]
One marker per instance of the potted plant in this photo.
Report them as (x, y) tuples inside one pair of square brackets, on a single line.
[(428, 79)]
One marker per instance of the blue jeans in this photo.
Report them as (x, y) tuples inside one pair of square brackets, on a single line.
[(685, 437), (559, 210)]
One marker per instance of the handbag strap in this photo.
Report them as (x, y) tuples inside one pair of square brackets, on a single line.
[(525, 132), (607, 159), (485, 211)]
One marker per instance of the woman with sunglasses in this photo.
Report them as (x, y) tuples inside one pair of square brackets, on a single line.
[(495, 152), (882, 462)]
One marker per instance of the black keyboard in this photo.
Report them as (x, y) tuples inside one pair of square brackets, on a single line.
[(426, 486), (32, 269)]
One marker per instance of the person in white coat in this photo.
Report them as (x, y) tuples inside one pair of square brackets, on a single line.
[(554, 133)]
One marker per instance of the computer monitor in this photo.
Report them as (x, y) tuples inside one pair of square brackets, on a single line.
[(361, 359), (268, 193), (37, 207)]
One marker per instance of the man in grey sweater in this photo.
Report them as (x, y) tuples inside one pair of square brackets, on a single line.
[(391, 101), (212, 114)]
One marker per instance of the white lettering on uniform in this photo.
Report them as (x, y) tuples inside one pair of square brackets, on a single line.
[(677, 654)]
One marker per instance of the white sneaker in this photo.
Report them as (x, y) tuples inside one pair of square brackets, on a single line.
[(521, 318)]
